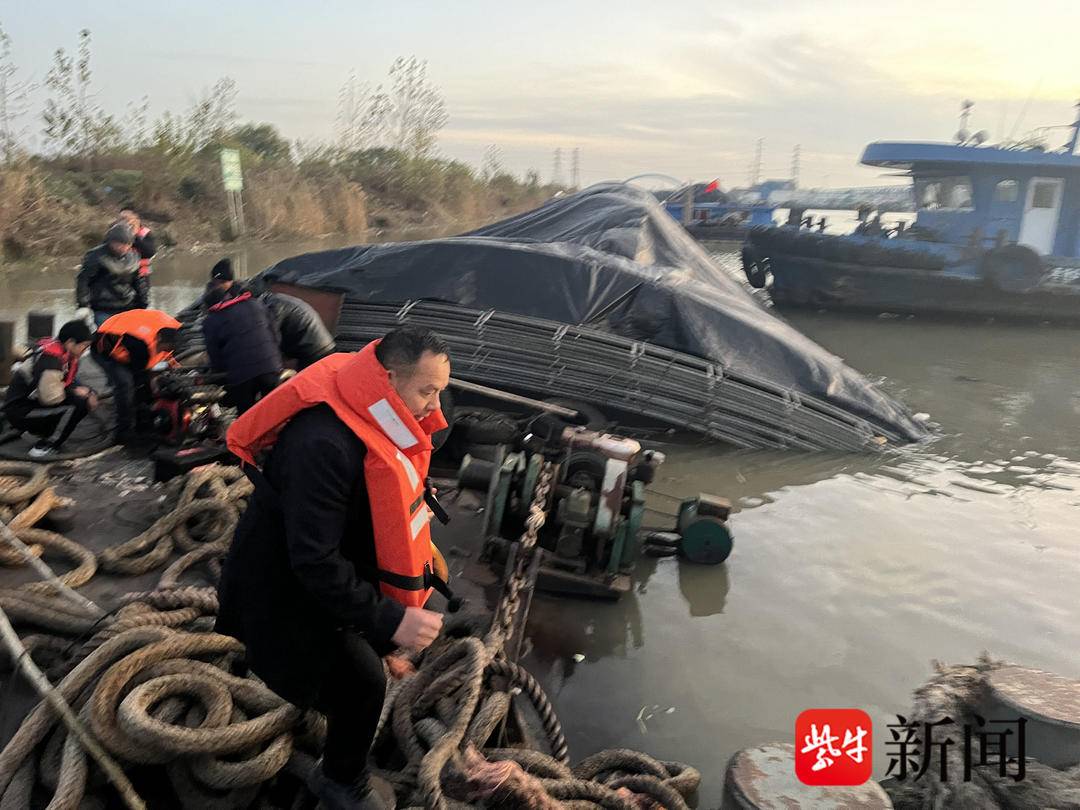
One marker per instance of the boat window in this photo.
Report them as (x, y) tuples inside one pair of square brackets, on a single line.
[(1006, 191), (944, 194), (1044, 195)]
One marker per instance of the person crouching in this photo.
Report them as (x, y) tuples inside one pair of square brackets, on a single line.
[(241, 343), (45, 397), (127, 346)]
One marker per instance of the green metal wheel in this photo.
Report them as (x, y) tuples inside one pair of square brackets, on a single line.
[(706, 540)]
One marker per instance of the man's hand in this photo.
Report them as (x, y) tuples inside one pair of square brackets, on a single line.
[(418, 628), (82, 392), (400, 667)]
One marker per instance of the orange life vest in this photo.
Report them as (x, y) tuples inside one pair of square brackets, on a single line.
[(143, 324), (399, 447)]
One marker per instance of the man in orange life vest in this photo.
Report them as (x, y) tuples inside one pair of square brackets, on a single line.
[(127, 346), (331, 564)]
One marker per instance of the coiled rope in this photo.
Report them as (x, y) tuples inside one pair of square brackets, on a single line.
[(158, 689)]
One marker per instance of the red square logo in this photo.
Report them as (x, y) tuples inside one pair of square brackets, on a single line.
[(833, 747)]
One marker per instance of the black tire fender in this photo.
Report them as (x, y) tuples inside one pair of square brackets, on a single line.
[(1012, 268), (751, 265)]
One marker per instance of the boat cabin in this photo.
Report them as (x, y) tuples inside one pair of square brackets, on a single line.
[(1027, 196)]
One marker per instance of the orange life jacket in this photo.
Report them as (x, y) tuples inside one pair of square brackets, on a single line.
[(399, 448), (143, 324)]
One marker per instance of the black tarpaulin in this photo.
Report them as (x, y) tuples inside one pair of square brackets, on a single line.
[(609, 257)]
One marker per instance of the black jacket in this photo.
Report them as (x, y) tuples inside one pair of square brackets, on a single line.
[(145, 245), (110, 283), (240, 340), (290, 584), (302, 335)]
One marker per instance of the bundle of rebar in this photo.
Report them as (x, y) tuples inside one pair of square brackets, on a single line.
[(552, 359)]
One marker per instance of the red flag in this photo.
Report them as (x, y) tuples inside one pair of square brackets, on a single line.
[(713, 186)]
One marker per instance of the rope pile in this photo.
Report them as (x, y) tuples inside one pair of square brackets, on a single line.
[(441, 718), (957, 692), (173, 703)]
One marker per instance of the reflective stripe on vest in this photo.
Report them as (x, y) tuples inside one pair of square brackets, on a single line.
[(358, 389)]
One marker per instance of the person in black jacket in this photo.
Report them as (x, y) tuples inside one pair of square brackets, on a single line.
[(296, 587), (241, 343), (109, 281), (301, 334)]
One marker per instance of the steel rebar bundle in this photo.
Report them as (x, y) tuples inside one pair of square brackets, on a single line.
[(554, 359)]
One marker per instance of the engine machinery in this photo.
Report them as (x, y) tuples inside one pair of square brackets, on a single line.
[(185, 406), (593, 535)]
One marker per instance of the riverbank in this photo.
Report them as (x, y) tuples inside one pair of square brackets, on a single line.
[(54, 209)]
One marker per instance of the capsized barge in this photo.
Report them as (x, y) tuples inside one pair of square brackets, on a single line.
[(601, 297)]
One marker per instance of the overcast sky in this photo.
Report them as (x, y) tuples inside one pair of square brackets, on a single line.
[(639, 87)]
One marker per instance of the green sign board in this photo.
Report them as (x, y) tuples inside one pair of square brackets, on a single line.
[(230, 170)]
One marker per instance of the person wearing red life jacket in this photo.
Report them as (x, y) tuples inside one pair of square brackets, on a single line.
[(332, 564), (45, 397), (144, 245)]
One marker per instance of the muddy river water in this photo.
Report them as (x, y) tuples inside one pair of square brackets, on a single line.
[(850, 573)]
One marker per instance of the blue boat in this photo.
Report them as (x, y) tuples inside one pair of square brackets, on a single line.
[(722, 220), (997, 234), (714, 214)]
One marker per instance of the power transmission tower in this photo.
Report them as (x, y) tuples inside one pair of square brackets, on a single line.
[(795, 167), (755, 176), (575, 168), (556, 169)]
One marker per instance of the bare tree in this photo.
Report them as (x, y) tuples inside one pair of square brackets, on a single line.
[(14, 100), (492, 164), (138, 129), (361, 118), (74, 123), (414, 108), (212, 116)]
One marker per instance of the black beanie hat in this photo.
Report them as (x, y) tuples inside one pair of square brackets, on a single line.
[(119, 232), (222, 271), (75, 330)]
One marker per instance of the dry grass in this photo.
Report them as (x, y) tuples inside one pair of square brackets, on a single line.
[(63, 208), (34, 221), (279, 203)]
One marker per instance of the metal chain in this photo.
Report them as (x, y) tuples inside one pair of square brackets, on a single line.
[(506, 611)]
